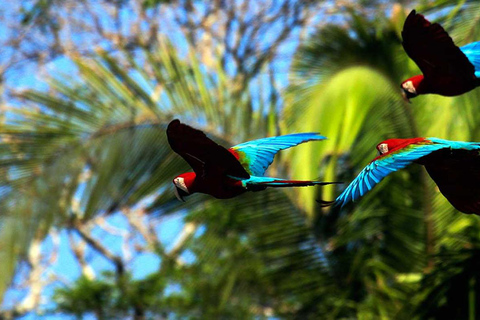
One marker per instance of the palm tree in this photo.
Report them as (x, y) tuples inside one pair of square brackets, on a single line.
[(96, 145), (346, 81)]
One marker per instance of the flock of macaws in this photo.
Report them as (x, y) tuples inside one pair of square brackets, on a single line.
[(453, 165)]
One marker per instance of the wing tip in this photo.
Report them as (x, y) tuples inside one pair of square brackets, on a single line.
[(173, 123), (313, 135), (410, 17), (415, 20), (303, 134)]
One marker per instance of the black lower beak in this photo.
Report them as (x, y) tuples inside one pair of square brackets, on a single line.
[(178, 194), (405, 97)]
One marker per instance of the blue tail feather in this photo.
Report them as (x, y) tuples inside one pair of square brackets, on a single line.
[(276, 182)]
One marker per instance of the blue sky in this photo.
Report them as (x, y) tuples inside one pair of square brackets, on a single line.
[(29, 77)]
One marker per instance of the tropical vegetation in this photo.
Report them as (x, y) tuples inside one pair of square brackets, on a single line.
[(91, 150)]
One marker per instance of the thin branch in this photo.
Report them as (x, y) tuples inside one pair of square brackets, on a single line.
[(187, 232), (79, 253), (136, 218), (95, 244)]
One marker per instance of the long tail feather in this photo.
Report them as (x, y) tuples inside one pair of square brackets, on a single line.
[(295, 183), (279, 183)]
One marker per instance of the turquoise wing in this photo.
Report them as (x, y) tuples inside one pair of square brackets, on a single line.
[(257, 155), (382, 166), (472, 51)]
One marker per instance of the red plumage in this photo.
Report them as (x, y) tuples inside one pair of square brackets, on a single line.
[(394, 145), (446, 69), (212, 164), (220, 172), (455, 171)]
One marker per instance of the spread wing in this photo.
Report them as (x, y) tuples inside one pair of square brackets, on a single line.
[(202, 154), (255, 156), (457, 174), (382, 166), (432, 49)]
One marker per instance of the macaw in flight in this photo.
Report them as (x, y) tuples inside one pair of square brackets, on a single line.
[(447, 70), (226, 173), (453, 165)]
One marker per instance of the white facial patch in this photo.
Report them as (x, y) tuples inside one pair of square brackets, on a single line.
[(180, 183), (409, 87), (383, 148)]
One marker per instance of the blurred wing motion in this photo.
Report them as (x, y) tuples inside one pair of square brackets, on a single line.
[(383, 165), (432, 49), (255, 156), (457, 174), (202, 154)]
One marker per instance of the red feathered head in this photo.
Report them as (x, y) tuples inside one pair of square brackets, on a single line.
[(184, 185), (411, 87)]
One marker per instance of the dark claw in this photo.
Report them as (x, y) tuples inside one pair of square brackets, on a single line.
[(324, 203)]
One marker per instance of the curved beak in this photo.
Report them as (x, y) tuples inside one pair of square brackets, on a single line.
[(405, 96), (178, 195)]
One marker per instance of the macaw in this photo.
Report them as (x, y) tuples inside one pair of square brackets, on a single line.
[(226, 173), (453, 165), (447, 70)]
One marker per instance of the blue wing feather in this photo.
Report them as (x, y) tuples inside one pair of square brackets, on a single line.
[(374, 172), (472, 51), (382, 167), (257, 155)]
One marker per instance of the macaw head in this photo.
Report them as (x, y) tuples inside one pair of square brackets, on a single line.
[(390, 145), (382, 148), (410, 87), (184, 185)]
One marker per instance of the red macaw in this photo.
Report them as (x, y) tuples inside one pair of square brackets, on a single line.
[(447, 70), (453, 165), (226, 173)]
